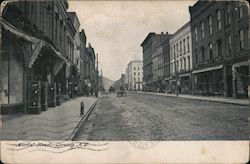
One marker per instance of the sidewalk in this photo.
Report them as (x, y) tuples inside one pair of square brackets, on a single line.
[(244, 102), (57, 123)]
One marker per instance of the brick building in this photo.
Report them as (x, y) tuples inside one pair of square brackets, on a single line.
[(161, 63), (39, 56), (149, 46), (220, 47)]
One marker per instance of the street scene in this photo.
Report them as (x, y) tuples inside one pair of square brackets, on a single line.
[(78, 71)]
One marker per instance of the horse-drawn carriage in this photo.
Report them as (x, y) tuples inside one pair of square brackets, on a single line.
[(121, 92)]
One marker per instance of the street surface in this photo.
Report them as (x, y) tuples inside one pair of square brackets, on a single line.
[(151, 117)]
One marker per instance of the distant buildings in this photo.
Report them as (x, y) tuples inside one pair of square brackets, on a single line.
[(134, 74)]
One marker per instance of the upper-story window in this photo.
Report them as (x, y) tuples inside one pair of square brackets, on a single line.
[(135, 73), (134, 68), (174, 51), (229, 43), (171, 53), (210, 50), (202, 30), (195, 34), (184, 46), (180, 48), (138, 68), (202, 54), (219, 48), (218, 13), (240, 10), (188, 44), (229, 15), (177, 49), (210, 28), (241, 33)]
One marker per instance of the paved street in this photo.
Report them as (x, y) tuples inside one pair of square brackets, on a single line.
[(150, 117)]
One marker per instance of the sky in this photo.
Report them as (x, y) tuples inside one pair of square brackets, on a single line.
[(116, 29)]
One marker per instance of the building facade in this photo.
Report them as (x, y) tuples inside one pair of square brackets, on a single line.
[(161, 63), (36, 31), (149, 46), (220, 37), (181, 61), (134, 75)]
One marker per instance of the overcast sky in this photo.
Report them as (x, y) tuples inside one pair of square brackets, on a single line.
[(117, 28)]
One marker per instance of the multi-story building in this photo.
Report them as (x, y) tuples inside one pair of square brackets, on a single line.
[(161, 63), (181, 60), (149, 45), (76, 53), (220, 45), (134, 75), (33, 53)]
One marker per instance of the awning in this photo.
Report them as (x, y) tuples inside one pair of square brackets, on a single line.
[(37, 45), (208, 69), (184, 75)]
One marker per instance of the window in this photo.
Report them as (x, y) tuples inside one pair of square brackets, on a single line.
[(241, 33), (210, 28), (134, 73), (219, 49), (138, 73), (138, 79), (202, 30), (218, 13), (196, 56), (229, 9), (184, 45), (195, 34), (181, 63), (138, 68), (174, 52), (177, 65), (202, 54), (180, 48), (134, 79), (171, 53), (185, 64), (188, 62), (240, 10), (188, 45), (177, 49), (210, 46), (229, 43), (134, 68)]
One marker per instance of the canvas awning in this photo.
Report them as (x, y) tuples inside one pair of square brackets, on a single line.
[(208, 69), (37, 45)]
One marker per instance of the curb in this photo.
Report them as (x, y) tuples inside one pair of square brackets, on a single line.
[(73, 134), (196, 99)]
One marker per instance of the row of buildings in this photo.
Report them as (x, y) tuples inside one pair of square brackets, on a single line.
[(44, 57), (206, 56)]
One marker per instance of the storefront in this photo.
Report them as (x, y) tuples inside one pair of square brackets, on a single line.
[(185, 83), (209, 81), (240, 72)]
